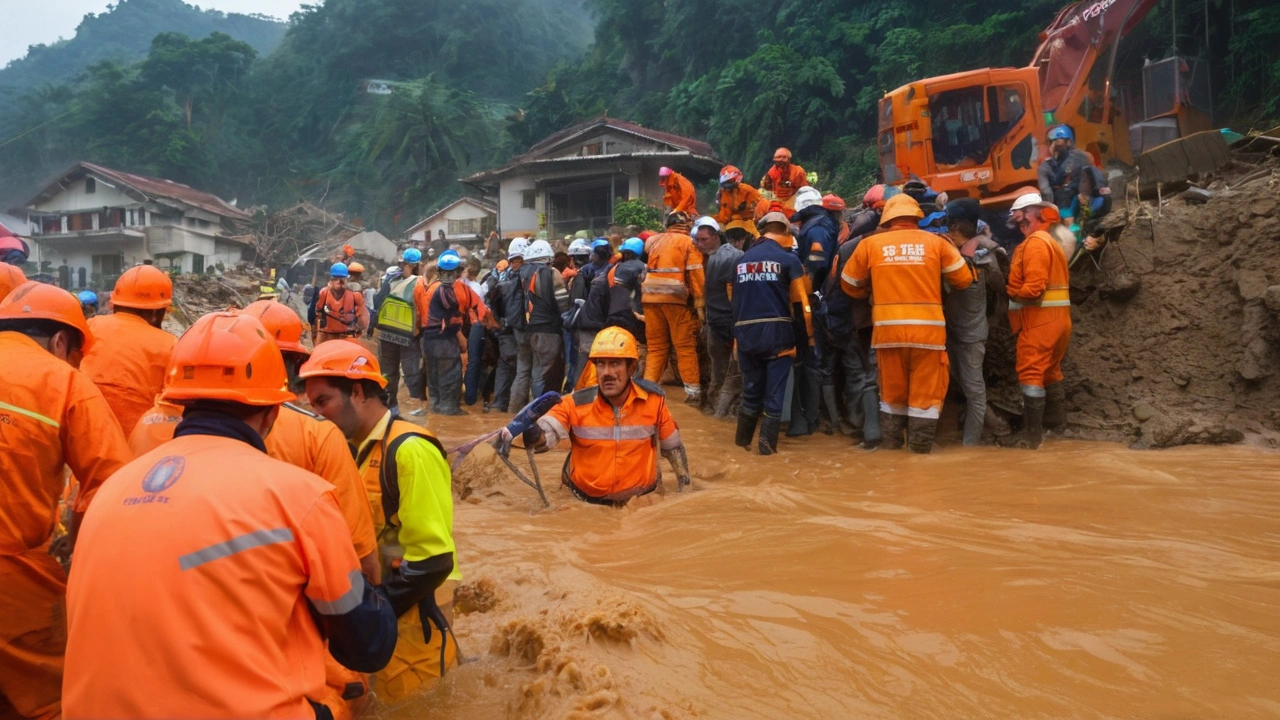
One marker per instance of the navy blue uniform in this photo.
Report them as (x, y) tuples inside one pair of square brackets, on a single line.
[(771, 317)]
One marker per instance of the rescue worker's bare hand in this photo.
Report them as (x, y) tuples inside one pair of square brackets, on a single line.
[(1092, 243), (503, 443)]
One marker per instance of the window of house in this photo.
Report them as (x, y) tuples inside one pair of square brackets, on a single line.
[(528, 199), (90, 186), (197, 264), (469, 226)]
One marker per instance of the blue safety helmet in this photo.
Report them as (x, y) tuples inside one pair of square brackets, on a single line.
[(449, 260), (599, 243), (1062, 132), (339, 271), (635, 245), (412, 255), (88, 297)]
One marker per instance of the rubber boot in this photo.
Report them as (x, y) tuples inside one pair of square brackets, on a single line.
[(799, 424), (1032, 421), (871, 430), (833, 411), (1055, 408), (920, 432), (891, 427), (746, 430), (768, 444)]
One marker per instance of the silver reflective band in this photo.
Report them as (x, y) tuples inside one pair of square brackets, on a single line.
[(851, 281), (666, 270), (954, 266), (349, 601), (616, 432), (693, 267), (762, 320), (1056, 303), (672, 442), (258, 538)]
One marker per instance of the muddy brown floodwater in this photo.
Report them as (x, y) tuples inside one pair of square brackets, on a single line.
[(1081, 581)]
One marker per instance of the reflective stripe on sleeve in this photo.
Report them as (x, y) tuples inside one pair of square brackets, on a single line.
[(851, 281), (666, 270), (349, 601), (553, 429), (938, 323), (29, 413), (954, 266), (693, 267), (258, 538), (672, 442)]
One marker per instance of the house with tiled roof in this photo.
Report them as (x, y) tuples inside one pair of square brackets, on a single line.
[(90, 223), (570, 180)]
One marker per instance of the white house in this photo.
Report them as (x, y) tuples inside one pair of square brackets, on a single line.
[(92, 223), (462, 219), (570, 180)]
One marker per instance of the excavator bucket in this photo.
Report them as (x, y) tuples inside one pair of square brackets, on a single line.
[(1179, 159)]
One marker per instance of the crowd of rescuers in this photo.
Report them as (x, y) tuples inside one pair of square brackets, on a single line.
[(333, 525)]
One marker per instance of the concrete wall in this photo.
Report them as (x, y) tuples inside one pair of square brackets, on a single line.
[(512, 218)]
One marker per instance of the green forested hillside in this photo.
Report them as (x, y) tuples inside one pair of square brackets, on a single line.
[(474, 82), (123, 34)]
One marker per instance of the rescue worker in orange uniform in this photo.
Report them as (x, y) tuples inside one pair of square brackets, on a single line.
[(131, 356), (230, 559), (11, 276), (738, 200), (409, 487), (903, 267), (1040, 313), (51, 416), (303, 440), (784, 178), (615, 429), (674, 298), (338, 311), (678, 194)]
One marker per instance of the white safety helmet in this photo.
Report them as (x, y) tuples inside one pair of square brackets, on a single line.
[(1031, 199), (579, 247), (807, 197), (539, 250), (705, 221), (517, 248)]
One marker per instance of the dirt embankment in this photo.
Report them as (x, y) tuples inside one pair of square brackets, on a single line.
[(1177, 334)]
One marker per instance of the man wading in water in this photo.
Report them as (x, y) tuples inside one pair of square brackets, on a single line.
[(616, 429)]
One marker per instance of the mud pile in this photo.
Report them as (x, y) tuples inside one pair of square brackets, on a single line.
[(197, 294), (1177, 332)]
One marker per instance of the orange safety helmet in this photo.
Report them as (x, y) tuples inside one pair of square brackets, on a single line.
[(614, 342), (145, 287), (355, 267), (348, 251), (11, 276), (36, 301), (782, 155), (900, 206), (344, 359), (873, 197), (730, 173), (281, 322), (227, 356), (834, 203)]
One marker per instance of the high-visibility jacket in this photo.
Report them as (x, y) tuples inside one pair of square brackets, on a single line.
[(417, 499), (904, 269), (298, 438), (1039, 284), (128, 363), (51, 416), (784, 182), (674, 270), (680, 195), (223, 554), (770, 298), (614, 450), (441, 307), (340, 315), (738, 203)]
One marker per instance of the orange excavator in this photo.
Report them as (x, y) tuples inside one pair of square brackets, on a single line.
[(981, 133)]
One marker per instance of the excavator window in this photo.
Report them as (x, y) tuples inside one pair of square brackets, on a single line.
[(959, 133)]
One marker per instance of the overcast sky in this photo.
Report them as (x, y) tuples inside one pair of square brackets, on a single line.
[(29, 22)]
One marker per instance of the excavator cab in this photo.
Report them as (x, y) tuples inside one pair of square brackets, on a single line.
[(972, 134)]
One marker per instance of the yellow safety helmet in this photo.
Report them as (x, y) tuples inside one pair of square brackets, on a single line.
[(614, 342)]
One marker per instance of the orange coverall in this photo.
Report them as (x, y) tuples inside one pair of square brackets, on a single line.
[(675, 275), (784, 182), (128, 363), (316, 446), (680, 195), (1040, 310), (613, 456), (905, 267), (220, 555), (51, 416), (738, 204)]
